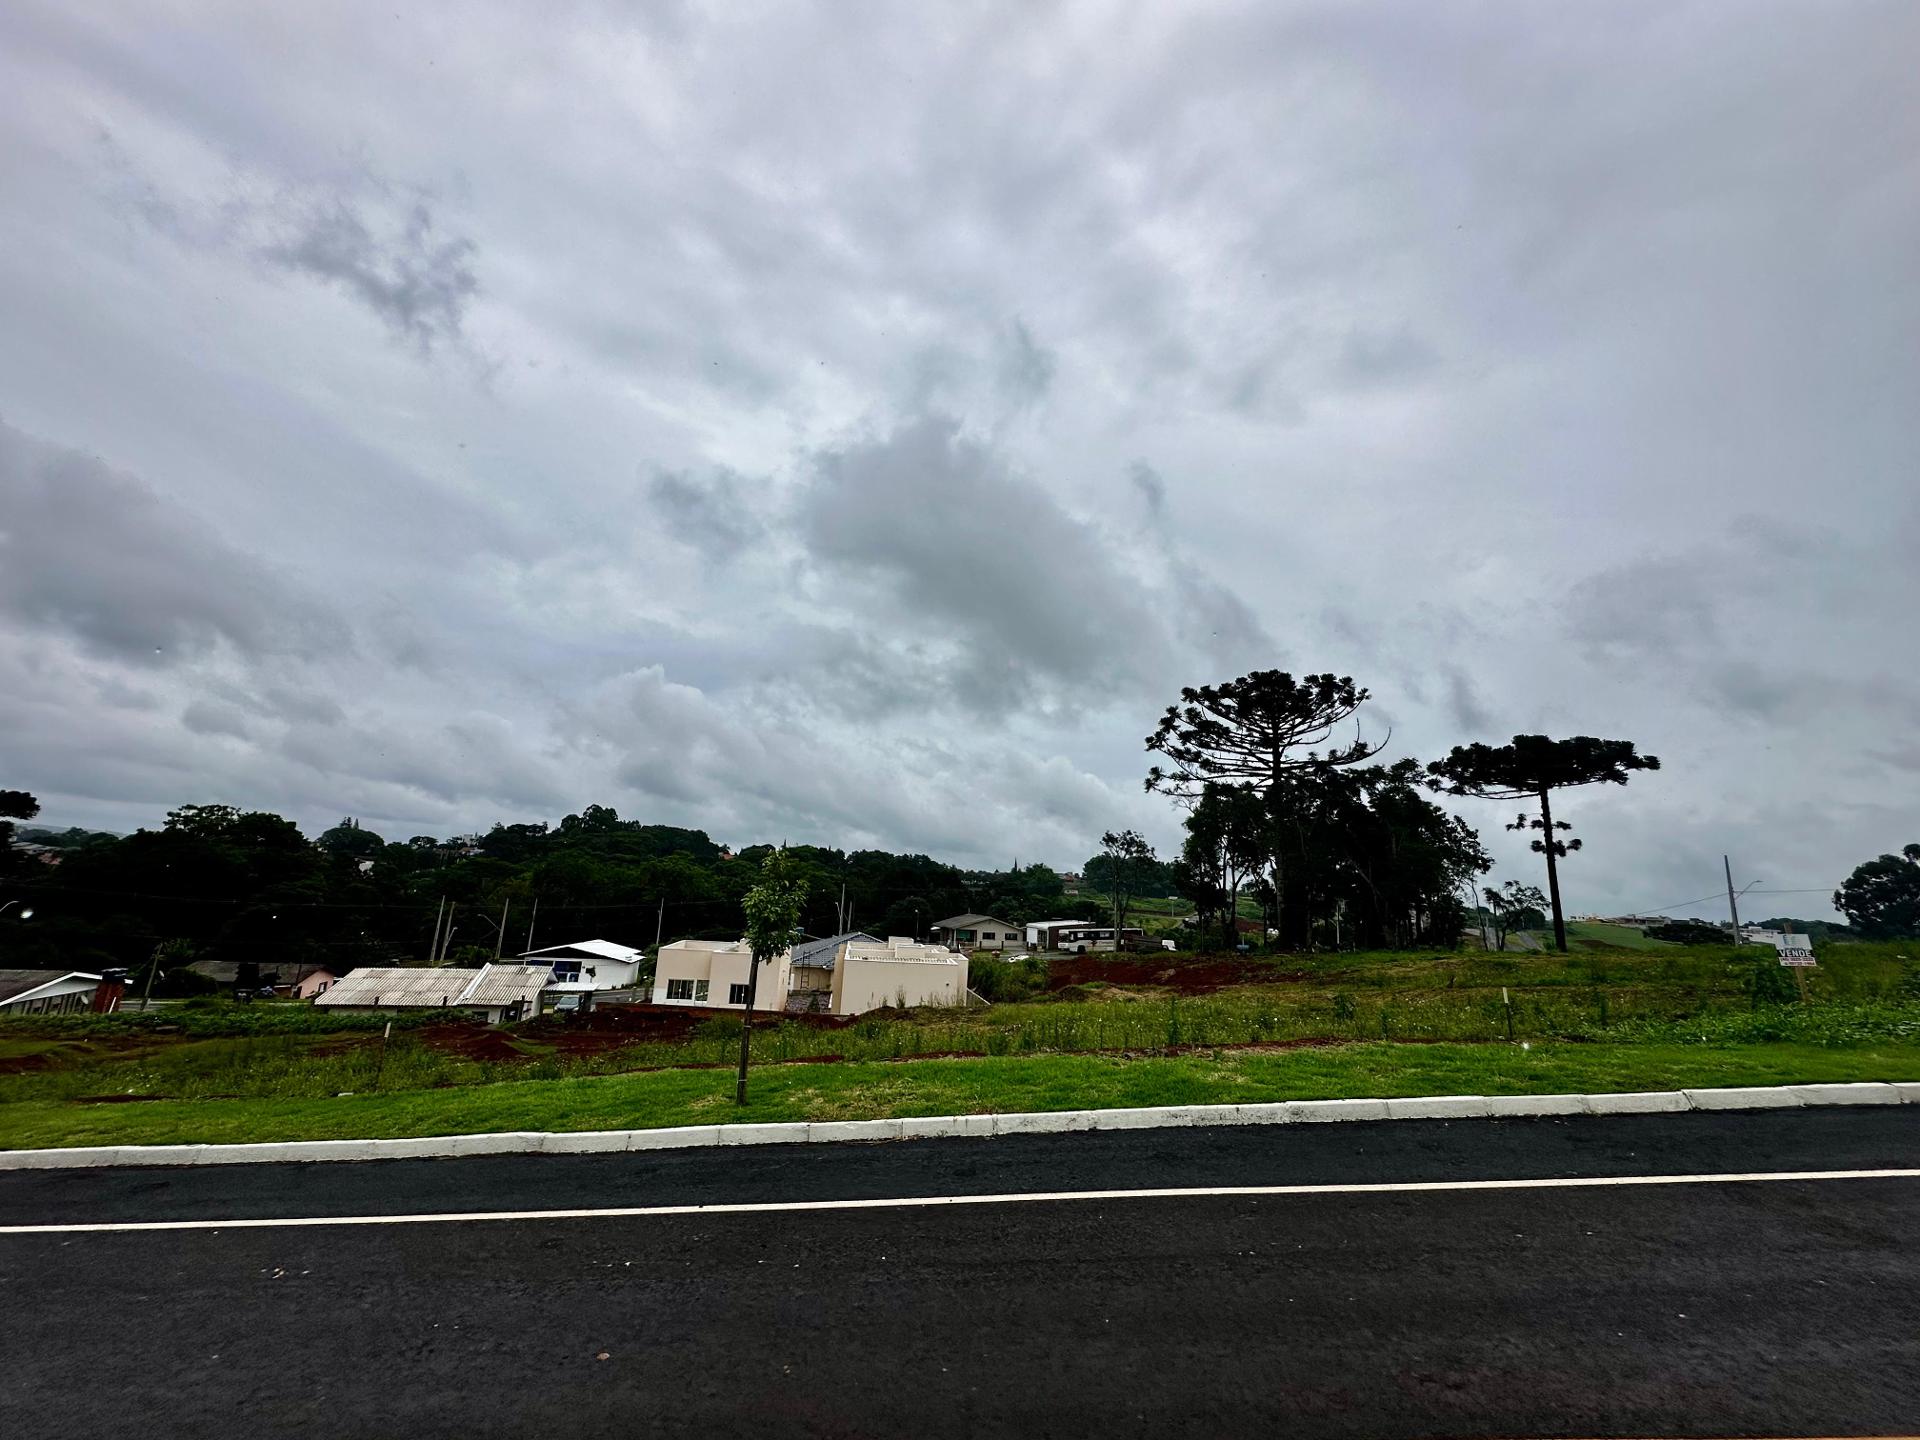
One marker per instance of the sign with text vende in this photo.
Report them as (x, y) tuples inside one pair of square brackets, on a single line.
[(1795, 950)]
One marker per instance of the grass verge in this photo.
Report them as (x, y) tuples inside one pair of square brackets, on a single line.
[(940, 1087)]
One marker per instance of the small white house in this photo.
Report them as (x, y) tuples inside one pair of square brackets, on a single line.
[(593, 964)]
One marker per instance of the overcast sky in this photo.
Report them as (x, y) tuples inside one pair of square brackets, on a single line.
[(854, 424)]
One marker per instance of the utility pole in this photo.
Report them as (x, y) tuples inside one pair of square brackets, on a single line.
[(146, 992), (446, 940), (500, 935), (660, 925), (530, 923), (1733, 903), (433, 945), (841, 909)]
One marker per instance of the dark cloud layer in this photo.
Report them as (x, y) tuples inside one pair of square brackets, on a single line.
[(103, 560)]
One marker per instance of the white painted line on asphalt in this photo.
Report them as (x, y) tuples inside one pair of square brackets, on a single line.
[(912, 1202)]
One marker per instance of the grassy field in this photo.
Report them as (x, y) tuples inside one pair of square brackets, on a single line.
[(944, 1087), (1108, 1032), (1592, 934)]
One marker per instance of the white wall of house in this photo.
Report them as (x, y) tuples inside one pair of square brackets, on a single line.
[(66, 995), (572, 963), (713, 974), (605, 974), (898, 972)]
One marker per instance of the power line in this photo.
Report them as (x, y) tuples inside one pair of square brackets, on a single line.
[(1719, 894)]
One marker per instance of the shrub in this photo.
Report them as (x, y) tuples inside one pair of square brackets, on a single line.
[(1767, 982), (1005, 981)]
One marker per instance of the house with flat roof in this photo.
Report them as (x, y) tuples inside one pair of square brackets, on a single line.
[(868, 974), (713, 973), (841, 975), (978, 932)]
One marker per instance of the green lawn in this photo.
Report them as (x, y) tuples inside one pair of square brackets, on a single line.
[(1592, 932), (937, 1087)]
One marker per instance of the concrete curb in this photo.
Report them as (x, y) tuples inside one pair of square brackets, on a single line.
[(1046, 1122)]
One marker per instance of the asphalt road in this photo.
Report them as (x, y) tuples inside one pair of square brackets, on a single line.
[(1782, 1307)]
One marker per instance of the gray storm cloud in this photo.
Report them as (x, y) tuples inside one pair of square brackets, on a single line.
[(860, 430)]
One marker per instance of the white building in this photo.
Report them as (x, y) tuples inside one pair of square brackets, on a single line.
[(592, 964), (713, 973)]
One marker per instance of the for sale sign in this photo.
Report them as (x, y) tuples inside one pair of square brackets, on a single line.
[(1794, 949)]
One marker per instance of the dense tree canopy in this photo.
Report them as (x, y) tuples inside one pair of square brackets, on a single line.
[(235, 884), (1274, 735), (14, 805), (1881, 899), (1253, 731)]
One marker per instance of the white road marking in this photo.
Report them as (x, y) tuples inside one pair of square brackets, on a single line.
[(911, 1202)]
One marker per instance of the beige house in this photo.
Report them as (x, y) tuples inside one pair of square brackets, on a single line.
[(870, 973), (713, 973), (846, 975)]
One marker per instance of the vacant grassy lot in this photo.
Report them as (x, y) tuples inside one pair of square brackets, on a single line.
[(1157, 1029)]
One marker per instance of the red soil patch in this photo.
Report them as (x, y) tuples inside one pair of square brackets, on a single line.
[(610, 1027)]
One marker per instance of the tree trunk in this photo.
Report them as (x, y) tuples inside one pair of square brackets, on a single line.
[(1553, 876), (746, 1030)]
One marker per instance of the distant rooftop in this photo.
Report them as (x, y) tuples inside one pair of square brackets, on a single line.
[(599, 949), (819, 954)]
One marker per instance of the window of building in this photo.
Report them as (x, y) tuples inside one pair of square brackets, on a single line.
[(700, 991), (680, 989), (736, 994)]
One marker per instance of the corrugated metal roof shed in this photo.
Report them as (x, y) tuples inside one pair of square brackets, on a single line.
[(413, 986), (507, 985)]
